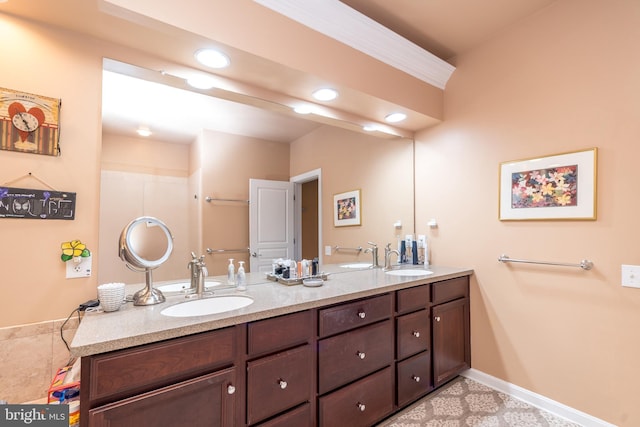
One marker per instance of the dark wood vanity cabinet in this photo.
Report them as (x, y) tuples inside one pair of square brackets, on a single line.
[(184, 381), (281, 371), (352, 363), (355, 362), (450, 329)]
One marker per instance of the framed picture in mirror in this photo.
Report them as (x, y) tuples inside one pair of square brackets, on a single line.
[(347, 209)]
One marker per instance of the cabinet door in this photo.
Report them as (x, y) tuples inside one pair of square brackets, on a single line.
[(204, 401), (451, 349)]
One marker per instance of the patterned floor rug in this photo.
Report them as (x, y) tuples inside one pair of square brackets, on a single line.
[(467, 403)]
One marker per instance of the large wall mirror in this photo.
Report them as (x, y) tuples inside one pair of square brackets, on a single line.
[(171, 173)]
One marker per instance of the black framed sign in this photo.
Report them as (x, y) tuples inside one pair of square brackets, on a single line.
[(36, 204)]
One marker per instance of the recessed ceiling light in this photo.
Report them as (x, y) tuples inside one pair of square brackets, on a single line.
[(212, 58), (369, 128), (144, 131), (201, 82), (325, 94), (302, 109), (395, 117)]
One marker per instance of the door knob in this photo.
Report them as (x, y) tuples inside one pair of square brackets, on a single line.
[(254, 254)]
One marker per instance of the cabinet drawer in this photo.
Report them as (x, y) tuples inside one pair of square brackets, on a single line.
[(412, 299), (413, 333), (123, 373), (354, 314), (349, 356), (414, 378), (449, 290), (298, 417), (279, 382), (359, 404), (200, 402), (279, 333)]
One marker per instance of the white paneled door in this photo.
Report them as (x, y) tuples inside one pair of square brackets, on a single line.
[(271, 228)]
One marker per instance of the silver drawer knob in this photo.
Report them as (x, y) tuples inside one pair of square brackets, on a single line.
[(231, 389), (361, 354), (362, 314), (282, 383), (416, 334), (416, 378), (361, 406), (437, 318)]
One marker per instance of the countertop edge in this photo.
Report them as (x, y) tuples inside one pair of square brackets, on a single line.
[(197, 325)]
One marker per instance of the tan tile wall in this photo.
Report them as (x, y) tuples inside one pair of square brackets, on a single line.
[(31, 355)]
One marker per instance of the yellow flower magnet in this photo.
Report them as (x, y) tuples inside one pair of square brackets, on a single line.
[(74, 248)]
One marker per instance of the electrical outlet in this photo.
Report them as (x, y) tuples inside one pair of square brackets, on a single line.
[(327, 250), (79, 269), (631, 276)]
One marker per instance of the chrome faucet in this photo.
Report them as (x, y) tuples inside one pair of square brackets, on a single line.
[(387, 256), (198, 273), (374, 254)]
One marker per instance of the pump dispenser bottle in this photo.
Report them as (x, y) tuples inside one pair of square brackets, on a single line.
[(242, 280), (231, 273)]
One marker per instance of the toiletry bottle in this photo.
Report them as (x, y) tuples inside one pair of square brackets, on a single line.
[(242, 280), (426, 253), (414, 252), (231, 273), (403, 252)]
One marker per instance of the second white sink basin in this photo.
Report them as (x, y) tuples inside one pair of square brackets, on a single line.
[(414, 272), (202, 307), (357, 265)]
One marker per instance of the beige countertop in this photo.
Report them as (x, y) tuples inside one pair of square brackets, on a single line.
[(136, 325)]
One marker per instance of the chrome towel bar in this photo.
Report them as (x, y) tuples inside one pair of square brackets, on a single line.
[(585, 264), (340, 248), (212, 251), (209, 199)]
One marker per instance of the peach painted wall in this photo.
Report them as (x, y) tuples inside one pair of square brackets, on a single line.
[(381, 169), (61, 65), (228, 162), (566, 79)]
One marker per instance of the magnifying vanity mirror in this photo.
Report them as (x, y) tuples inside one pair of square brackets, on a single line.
[(145, 244)]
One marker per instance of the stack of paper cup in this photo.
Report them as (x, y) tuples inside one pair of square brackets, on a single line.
[(111, 296)]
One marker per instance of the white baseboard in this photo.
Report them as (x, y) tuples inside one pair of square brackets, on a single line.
[(536, 399)]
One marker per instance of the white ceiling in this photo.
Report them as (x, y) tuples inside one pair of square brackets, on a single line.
[(445, 28)]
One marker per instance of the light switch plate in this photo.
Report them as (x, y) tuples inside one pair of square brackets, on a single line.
[(327, 250), (631, 276), (76, 270)]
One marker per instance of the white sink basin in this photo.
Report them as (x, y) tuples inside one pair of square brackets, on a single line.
[(183, 286), (415, 272), (202, 307), (357, 265)]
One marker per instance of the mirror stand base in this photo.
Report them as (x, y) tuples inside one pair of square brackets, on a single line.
[(148, 296)]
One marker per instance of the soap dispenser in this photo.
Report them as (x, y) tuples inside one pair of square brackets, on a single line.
[(242, 281), (231, 273)]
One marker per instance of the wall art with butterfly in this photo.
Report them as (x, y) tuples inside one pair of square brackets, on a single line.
[(29, 123), (36, 204)]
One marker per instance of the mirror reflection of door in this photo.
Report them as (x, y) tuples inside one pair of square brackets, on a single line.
[(271, 225)]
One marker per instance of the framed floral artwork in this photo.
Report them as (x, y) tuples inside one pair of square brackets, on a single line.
[(557, 187), (347, 209)]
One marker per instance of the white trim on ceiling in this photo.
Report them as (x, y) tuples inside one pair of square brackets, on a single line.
[(340, 22)]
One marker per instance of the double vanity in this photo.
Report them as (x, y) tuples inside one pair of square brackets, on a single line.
[(351, 352)]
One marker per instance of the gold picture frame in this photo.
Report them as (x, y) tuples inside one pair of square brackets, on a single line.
[(556, 187), (29, 123)]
